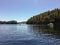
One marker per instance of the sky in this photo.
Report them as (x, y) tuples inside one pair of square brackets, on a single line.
[(22, 10)]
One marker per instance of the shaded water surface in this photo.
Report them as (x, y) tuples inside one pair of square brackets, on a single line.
[(22, 34)]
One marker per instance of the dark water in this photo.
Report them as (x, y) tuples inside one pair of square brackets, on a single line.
[(28, 35)]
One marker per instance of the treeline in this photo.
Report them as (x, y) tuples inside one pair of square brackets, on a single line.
[(52, 16), (9, 22)]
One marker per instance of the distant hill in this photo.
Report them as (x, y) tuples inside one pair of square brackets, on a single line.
[(9, 22), (46, 17), (12, 22)]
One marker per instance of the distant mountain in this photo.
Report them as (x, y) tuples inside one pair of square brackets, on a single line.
[(52, 16)]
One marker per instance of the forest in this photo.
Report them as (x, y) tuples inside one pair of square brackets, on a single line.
[(50, 16), (8, 22)]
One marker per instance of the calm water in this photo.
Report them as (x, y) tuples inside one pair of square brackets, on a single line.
[(22, 34)]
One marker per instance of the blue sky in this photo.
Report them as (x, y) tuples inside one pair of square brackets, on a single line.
[(22, 10)]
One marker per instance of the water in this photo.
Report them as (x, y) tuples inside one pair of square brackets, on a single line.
[(22, 34)]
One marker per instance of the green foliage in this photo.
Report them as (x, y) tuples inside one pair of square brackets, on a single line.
[(8, 22), (45, 17)]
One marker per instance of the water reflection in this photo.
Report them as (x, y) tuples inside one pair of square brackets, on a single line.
[(46, 30), (29, 35)]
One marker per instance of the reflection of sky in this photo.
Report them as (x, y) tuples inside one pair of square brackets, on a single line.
[(25, 34), (13, 32), (23, 9)]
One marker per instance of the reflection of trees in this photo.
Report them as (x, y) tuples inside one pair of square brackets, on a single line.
[(57, 31), (43, 29)]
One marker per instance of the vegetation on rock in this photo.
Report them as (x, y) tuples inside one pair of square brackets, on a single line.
[(52, 16)]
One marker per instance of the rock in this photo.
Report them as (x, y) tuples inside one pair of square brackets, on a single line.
[(51, 25)]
